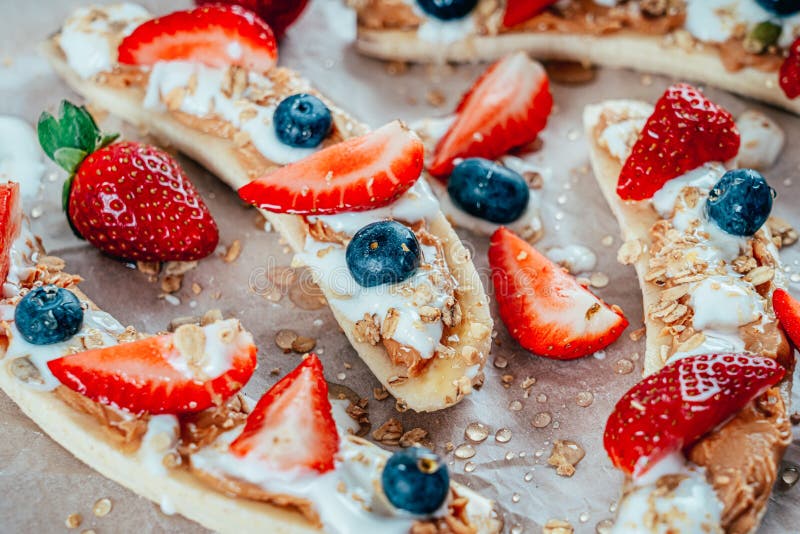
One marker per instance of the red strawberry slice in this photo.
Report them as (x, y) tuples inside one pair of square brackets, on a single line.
[(164, 374), (518, 11), (358, 174), (10, 220), (507, 107), (787, 310), (672, 409), (292, 426), (543, 307), (216, 36), (279, 14), (685, 130), (789, 77)]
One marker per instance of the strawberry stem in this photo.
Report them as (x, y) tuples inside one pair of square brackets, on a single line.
[(68, 140)]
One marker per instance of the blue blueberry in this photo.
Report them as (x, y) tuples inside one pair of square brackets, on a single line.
[(48, 314), (447, 9), (302, 121), (780, 7), (416, 480), (488, 190), (383, 252), (740, 202)]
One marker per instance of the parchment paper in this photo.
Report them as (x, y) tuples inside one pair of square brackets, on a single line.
[(41, 484)]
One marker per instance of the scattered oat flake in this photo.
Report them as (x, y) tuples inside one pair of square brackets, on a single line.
[(73, 520), (102, 507), (233, 251), (196, 288), (565, 456)]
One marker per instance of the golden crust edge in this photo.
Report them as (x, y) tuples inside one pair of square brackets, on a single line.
[(442, 385), (623, 49)]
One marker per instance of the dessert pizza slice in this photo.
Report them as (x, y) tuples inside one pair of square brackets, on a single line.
[(700, 438), (746, 46), (350, 202), (165, 416)]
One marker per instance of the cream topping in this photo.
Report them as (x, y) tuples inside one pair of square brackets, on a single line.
[(91, 35), (21, 157), (716, 21)]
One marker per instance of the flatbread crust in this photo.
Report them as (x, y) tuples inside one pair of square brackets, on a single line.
[(443, 384), (635, 221), (625, 49)]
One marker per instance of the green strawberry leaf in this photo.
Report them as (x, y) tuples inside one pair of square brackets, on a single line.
[(69, 158), (73, 133)]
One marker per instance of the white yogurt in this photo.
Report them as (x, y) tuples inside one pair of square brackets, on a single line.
[(21, 157), (691, 508), (91, 35), (442, 32), (218, 353), (208, 100), (358, 467), (160, 439), (724, 303), (576, 258), (762, 140)]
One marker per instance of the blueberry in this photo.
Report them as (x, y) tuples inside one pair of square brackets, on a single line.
[(383, 252), (780, 7), (416, 480), (488, 190), (740, 202), (302, 121), (48, 314), (447, 9)]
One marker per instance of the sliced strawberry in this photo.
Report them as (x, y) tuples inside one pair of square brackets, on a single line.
[(787, 310), (279, 14), (789, 78), (358, 174), (543, 307), (675, 407), (518, 11), (685, 130), (292, 425), (174, 373), (10, 220), (216, 36), (507, 107)]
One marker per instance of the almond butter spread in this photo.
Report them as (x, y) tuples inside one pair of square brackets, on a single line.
[(741, 460), (587, 17), (201, 429), (125, 432), (735, 58)]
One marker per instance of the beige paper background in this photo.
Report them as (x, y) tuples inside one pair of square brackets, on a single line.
[(41, 484)]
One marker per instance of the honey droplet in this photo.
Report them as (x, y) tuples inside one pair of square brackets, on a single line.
[(503, 435), (623, 367), (542, 419), (476, 432), (584, 399), (464, 451)]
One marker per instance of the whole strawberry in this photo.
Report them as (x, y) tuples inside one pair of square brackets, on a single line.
[(130, 200)]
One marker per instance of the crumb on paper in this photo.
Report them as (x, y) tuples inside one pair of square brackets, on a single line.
[(565, 456)]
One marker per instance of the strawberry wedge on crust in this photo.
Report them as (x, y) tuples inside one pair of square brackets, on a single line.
[(506, 108), (10, 220), (217, 36), (518, 11), (544, 308), (787, 310), (670, 410), (358, 174), (188, 371), (292, 425), (685, 131)]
